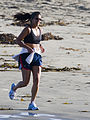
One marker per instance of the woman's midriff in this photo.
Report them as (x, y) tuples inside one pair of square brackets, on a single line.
[(36, 46)]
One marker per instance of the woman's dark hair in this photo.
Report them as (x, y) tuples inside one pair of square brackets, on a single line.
[(25, 16)]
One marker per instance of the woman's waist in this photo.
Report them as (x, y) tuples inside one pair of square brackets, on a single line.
[(35, 50), (36, 46)]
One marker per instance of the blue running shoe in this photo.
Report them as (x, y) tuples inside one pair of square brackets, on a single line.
[(32, 107), (12, 92)]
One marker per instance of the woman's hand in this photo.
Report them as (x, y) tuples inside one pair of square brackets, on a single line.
[(42, 49), (30, 50)]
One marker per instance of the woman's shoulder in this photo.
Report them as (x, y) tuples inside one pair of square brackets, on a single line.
[(27, 29)]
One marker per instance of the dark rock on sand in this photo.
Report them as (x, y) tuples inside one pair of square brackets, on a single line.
[(10, 38), (8, 65), (49, 36), (58, 22), (44, 69), (7, 38), (24, 23)]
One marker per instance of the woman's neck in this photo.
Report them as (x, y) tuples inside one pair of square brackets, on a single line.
[(33, 26)]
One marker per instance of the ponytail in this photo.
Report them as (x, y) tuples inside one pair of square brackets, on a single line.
[(25, 16), (22, 17)]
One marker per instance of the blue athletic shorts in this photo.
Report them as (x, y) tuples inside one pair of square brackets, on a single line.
[(37, 61)]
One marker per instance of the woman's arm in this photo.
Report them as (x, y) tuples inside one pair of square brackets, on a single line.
[(22, 35), (42, 49)]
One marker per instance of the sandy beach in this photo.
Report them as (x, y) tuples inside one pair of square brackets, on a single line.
[(64, 92)]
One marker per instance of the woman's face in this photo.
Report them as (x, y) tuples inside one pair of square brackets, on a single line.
[(36, 20)]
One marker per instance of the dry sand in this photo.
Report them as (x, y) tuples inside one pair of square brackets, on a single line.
[(62, 95)]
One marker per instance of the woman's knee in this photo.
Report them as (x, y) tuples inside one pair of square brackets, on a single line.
[(36, 82), (26, 77), (25, 83)]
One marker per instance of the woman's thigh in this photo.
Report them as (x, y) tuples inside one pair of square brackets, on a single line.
[(36, 71)]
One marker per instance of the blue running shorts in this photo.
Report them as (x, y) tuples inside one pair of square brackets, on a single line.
[(37, 61)]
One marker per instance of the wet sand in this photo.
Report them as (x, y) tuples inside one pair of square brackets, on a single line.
[(62, 95)]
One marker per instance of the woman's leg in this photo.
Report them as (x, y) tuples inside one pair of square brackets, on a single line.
[(36, 70), (26, 78)]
